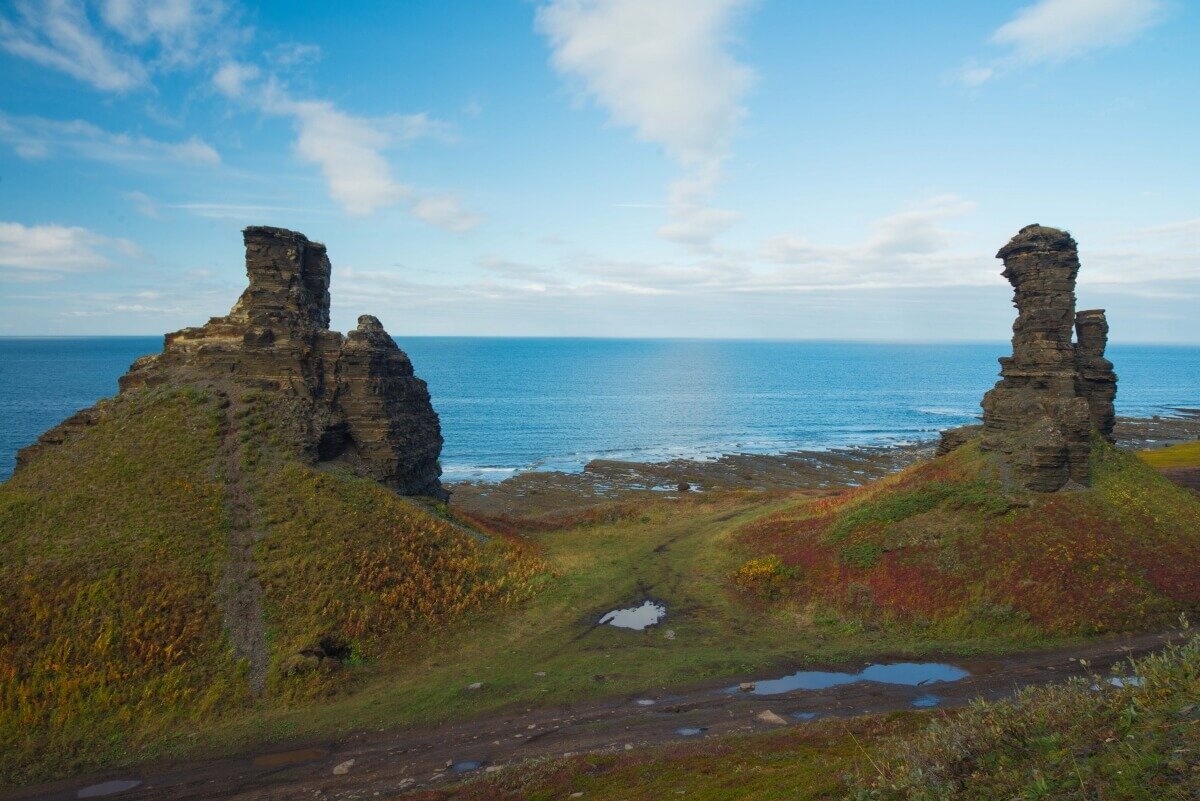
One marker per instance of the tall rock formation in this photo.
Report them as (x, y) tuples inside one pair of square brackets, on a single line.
[(1097, 381), (1052, 393), (350, 398)]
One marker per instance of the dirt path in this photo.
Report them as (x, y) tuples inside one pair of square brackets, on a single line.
[(384, 764), (240, 590)]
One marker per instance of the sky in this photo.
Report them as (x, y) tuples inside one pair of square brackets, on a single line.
[(658, 168)]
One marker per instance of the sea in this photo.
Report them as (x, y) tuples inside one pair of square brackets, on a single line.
[(511, 405)]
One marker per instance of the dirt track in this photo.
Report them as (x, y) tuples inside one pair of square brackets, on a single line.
[(385, 764)]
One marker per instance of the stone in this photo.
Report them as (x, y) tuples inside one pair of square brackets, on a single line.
[(342, 768), (1052, 393), (1095, 375), (954, 438), (353, 399), (477, 685), (770, 718), (747, 687)]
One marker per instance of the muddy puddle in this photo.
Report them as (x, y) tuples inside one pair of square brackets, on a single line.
[(466, 766), (108, 788), (691, 731), (911, 674), (926, 701), (637, 617)]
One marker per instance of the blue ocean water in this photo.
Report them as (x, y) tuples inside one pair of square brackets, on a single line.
[(518, 404)]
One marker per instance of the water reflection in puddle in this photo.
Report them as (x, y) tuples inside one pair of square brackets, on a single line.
[(1122, 681), (912, 674), (926, 701), (466, 766), (108, 788), (691, 731), (644, 702), (807, 717), (637, 618)]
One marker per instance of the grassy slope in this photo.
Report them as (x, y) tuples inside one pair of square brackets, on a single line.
[(1186, 454), (1134, 743), (339, 557), (941, 548), (111, 553)]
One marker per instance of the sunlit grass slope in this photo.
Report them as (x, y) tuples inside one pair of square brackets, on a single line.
[(1183, 455), (944, 547), (112, 551)]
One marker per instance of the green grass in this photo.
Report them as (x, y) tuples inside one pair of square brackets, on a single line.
[(112, 551), (1083, 739), (110, 554), (944, 549), (1184, 455), (130, 521)]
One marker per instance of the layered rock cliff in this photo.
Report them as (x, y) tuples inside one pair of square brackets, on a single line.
[(349, 398), (1052, 392)]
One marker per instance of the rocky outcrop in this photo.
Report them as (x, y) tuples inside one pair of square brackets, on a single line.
[(350, 398), (1097, 381), (1052, 393), (956, 437)]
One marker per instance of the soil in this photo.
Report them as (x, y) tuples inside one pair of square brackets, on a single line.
[(386, 764)]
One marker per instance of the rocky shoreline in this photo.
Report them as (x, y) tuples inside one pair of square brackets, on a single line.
[(533, 493)]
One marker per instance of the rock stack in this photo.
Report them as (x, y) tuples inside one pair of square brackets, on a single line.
[(350, 398), (1097, 381), (1052, 393)]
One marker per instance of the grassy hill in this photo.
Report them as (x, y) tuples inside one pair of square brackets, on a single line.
[(118, 574), (943, 548)]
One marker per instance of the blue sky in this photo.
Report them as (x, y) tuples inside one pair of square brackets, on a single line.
[(690, 168)]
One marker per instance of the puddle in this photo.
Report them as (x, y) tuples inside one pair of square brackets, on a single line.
[(807, 717), (466, 766), (1127, 681), (108, 788), (1122, 681), (911, 674), (644, 702), (289, 758), (637, 618), (691, 731), (926, 701)]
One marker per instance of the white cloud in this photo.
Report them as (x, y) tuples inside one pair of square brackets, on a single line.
[(146, 205), (184, 31), (38, 138), (232, 77), (662, 69), (1056, 30), (117, 46), (349, 150), (444, 211), (54, 249), (58, 34), (1052, 31)]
